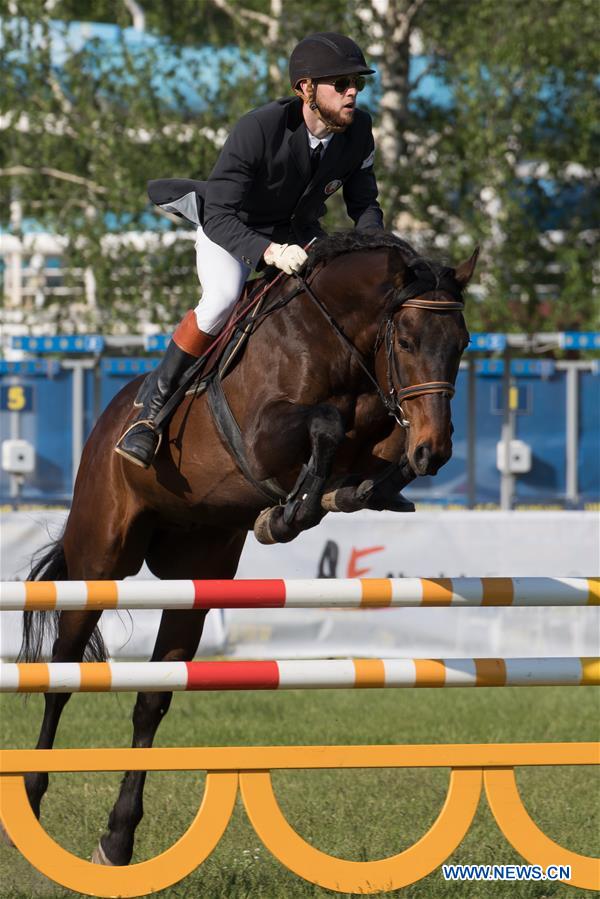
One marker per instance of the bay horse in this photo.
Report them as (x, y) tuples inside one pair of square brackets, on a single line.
[(374, 329)]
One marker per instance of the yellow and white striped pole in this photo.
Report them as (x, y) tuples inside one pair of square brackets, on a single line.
[(350, 593)]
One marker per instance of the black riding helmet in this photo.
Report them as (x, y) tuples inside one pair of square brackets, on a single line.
[(326, 54)]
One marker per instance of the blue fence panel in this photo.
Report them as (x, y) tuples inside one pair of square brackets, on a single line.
[(540, 421), (488, 422), (48, 427), (588, 467), (60, 343), (117, 372), (90, 401), (541, 424)]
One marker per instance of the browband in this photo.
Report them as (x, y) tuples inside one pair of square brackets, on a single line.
[(435, 305)]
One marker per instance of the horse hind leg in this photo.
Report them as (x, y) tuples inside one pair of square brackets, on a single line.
[(205, 553), (74, 632), (107, 552)]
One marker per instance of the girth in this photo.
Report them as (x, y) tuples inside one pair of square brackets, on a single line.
[(224, 419), (231, 435)]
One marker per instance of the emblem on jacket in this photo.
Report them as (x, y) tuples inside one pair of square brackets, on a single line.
[(332, 186)]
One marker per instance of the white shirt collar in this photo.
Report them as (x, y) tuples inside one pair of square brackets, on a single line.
[(314, 141)]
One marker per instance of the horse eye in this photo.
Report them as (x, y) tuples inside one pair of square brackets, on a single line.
[(404, 344)]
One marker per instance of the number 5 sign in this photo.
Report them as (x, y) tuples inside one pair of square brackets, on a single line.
[(16, 398)]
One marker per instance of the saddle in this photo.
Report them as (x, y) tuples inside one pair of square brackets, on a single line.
[(256, 302)]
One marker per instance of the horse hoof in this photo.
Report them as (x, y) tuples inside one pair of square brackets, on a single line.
[(262, 527), (4, 837), (100, 857), (342, 500), (328, 502)]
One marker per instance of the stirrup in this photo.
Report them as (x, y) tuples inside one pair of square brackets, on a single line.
[(149, 424)]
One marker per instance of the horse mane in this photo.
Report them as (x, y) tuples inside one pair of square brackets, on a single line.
[(431, 274), (341, 242)]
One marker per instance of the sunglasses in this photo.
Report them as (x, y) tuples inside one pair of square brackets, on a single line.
[(342, 83)]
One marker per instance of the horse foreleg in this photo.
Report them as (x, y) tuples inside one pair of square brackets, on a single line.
[(385, 494), (383, 471), (178, 639), (378, 490), (74, 631), (303, 507)]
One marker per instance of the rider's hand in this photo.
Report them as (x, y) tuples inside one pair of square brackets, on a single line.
[(288, 257)]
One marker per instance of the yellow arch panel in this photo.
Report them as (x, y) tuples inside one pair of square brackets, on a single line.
[(526, 837), (362, 877), (155, 874)]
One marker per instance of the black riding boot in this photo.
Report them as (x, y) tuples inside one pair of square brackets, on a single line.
[(141, 440)]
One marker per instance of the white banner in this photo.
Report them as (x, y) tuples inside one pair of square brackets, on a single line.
[(369, 544)]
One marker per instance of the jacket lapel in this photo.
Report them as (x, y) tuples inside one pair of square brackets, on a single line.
[(330, 164), (298, 141), (298, 145)]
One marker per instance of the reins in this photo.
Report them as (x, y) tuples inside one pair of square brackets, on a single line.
[(408, 297), (419, 294), (339, 331)]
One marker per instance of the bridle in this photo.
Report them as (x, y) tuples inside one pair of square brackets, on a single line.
[(423, 293), (398, 395)]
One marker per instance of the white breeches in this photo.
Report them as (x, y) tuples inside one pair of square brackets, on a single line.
[(222, 277)]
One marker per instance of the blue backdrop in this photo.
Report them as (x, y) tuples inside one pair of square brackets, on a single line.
[(540, 421)]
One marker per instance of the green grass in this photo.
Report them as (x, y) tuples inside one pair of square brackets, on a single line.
[(354, 814)]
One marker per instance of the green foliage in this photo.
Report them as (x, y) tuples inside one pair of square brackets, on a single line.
[(515, 145), (185, 22), (507, 164), (83, 141)]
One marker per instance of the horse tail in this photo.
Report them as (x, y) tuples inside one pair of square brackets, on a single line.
[(52, 566)]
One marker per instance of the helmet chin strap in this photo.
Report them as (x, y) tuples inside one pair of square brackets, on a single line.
[(311, 99)]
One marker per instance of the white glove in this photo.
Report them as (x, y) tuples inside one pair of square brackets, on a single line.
[(288, 257)]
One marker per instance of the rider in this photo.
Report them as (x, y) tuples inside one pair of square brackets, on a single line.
[(263, 201)]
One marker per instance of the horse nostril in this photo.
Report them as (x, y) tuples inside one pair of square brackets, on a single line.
[(422, 457)]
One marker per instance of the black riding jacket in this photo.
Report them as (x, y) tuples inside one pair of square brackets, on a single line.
[(260, 189)]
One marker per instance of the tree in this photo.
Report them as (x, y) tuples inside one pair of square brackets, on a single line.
[(505, 158), (500, 154), (83, 138)]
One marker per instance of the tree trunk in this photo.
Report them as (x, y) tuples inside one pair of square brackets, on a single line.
[(391, 26)]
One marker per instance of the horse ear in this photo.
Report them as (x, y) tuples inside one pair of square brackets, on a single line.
[(464, 272)]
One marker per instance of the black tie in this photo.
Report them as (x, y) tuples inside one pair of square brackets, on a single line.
[(315, 159)]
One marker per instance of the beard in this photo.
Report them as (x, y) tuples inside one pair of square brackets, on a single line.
[(342, 118)]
